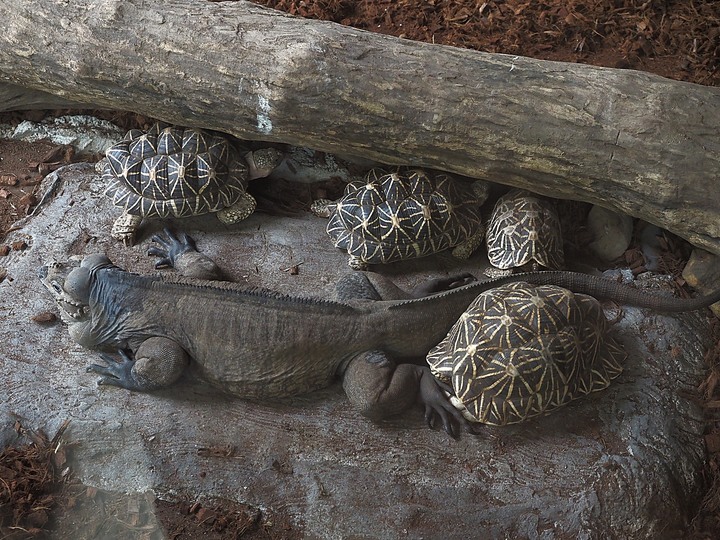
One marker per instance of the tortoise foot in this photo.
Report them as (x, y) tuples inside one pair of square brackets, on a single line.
[(494, 273), (239, 211), (125, 228), (468, 246)]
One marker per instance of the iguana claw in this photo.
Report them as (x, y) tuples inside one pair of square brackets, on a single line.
[(170, 248), (115, 373), (437, 405)]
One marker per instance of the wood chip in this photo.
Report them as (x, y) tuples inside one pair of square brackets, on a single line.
[(44, 317), (712, 442), (28, 200), (54, 154)]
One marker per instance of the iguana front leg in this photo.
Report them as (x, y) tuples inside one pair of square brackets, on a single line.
[(158, 362), (380, 388), (179, 251)]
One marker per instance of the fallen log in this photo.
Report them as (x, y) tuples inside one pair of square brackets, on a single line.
[(17, 98), (630, 141)]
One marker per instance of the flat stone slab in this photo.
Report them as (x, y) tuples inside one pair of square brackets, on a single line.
[(625, 462)]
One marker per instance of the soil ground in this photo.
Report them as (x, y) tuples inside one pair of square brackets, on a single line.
[(676, 39)]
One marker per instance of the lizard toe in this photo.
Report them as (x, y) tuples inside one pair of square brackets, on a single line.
[(114, 373)]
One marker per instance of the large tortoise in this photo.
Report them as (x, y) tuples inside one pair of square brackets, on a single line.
[(406, 214), (521, 350), (179, 172), (524, 232)]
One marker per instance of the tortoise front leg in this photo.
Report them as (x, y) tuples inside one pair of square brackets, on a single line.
[(125, 228), (379, 388), (179, 251), (466, 248), (158, 363)]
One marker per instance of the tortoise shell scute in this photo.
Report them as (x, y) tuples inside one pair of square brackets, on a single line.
[(524, 228), (143, 146), (520, 350), (170, 171), (170, 141), (403, 215)]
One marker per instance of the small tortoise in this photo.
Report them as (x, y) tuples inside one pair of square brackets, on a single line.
[(175, 172), (521, 350), (402, 215), (524, 230)]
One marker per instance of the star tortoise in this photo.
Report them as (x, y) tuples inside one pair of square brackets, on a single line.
[(178, 172), (524, 231), (403, 215), (521, 350)]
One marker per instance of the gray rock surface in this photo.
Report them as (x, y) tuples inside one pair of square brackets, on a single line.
[(623, 463), (89, 135)]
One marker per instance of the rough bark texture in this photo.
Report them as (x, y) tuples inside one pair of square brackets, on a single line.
[(630, 141), (16, 98)]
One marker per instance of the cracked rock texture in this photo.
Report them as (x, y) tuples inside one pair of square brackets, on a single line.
[(622, 463)]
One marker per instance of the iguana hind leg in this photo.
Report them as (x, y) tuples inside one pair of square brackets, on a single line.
[(158, 362), (436, 285), (380, 388)]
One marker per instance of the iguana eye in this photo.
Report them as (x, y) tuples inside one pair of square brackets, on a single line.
[(56, 286)]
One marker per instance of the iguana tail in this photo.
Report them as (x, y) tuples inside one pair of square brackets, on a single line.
[(607, 288)]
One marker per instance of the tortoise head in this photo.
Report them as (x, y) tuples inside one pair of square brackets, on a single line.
[(481, 189), (69, 284), (262, 162)]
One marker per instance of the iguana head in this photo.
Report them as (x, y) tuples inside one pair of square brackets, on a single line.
[(69, 284)]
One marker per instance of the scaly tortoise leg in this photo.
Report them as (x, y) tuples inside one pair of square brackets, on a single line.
[(466, 248), (125, 228), (239, 211)]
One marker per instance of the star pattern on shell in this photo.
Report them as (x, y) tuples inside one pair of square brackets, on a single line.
[(524, 229), (402, 215), (174, 172), (520, 351)]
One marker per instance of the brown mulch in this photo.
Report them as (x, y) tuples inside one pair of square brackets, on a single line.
[(676, 39), (223, 520), (32, 481), (40, 499), (706, 524)]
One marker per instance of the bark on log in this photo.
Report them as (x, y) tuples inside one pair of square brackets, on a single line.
[(17, 98), (630, 141)]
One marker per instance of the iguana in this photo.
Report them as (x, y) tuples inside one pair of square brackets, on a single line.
[(259, 344)]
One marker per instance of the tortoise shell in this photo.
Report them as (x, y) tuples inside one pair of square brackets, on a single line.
[(403, 215), (172, 171), (524, 228), (521, 350)]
